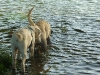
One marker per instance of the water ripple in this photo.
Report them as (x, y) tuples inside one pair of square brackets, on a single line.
[(75, 39)]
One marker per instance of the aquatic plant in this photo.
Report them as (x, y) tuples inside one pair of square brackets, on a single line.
[(5, 63), (63, 29)]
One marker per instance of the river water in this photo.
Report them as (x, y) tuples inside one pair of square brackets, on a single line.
[(75, 48)]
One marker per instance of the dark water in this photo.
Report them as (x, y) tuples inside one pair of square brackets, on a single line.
[(75, 40)]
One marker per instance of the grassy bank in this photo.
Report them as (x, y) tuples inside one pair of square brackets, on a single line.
[(5, 63)]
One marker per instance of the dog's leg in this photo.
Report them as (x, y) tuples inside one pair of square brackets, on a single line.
[(48, 40), (14, 51), (31, 51), (44, 45), (24, 54), (23, 64), (18, 57), (44, 42)]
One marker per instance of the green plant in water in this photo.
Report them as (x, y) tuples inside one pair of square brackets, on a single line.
[(5, 63), (1, 14), (23, 16), (18, 16), (63, 29)]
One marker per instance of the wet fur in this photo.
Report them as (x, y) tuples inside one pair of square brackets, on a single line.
[(21, 40), (45, 30)]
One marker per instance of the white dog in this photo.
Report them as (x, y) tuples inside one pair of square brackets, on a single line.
[(23, 39)]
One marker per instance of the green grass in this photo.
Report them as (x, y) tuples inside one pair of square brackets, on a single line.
[(5, 63)]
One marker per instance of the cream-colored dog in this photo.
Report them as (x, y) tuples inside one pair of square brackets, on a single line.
[(45, 30), (22, 39)]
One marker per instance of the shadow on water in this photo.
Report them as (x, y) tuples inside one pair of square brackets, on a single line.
[(35, 66)]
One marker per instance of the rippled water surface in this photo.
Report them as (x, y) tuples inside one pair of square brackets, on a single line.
[(75, 40)]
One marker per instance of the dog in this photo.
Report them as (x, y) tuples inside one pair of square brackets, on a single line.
[(44, 26), (21, 40)]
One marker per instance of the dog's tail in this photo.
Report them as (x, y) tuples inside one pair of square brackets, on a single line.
[(20, 37), (29, 17)]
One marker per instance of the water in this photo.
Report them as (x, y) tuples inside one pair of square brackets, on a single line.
[(75, 40)]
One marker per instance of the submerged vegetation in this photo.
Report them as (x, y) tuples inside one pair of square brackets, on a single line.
[(75, 48), (5, 63)]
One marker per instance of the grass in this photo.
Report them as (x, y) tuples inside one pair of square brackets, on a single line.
[(5, 63)]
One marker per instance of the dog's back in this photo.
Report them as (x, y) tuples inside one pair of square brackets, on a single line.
[(44, 26), (21, 36)]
